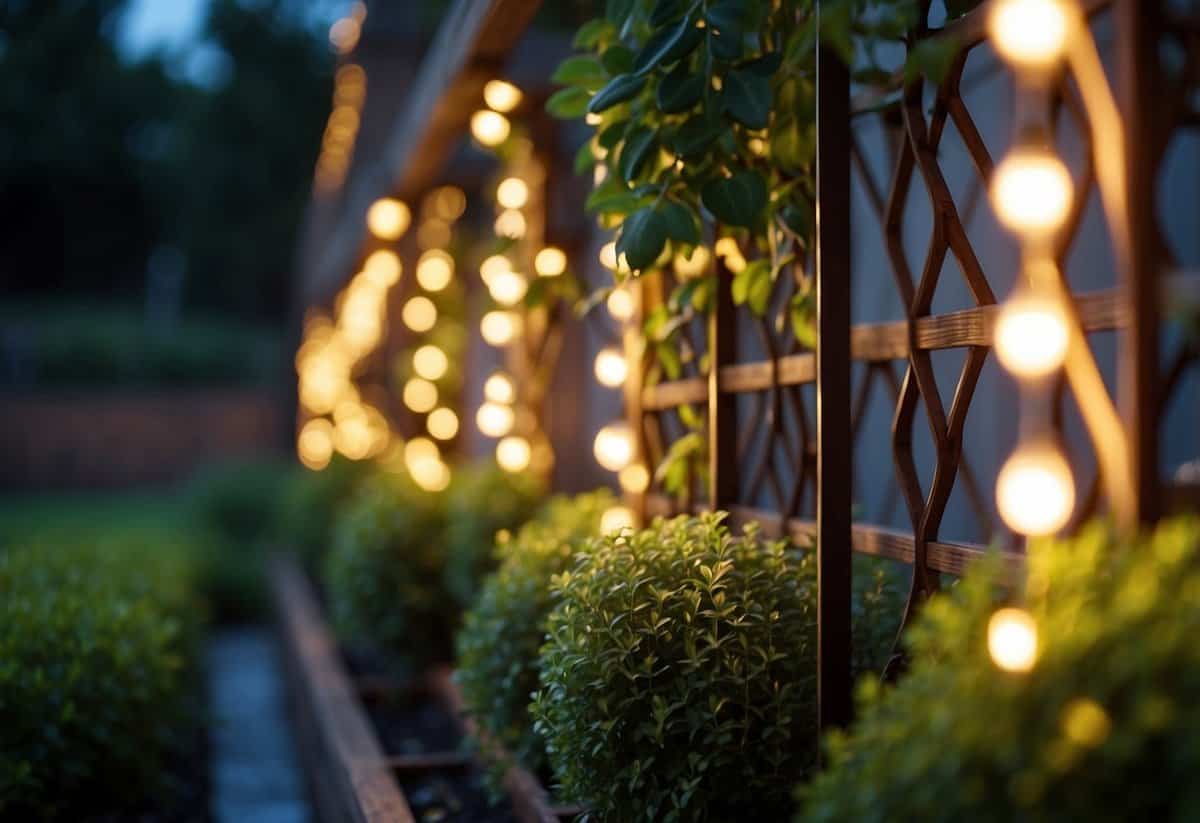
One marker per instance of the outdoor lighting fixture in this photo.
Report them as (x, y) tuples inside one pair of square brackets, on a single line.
[(499, 328), (512, 193), (1031, 34), (314, 445), (382, 268), (513, 454), (430, 362), (1032, 191), (434, 270), (507, 288), (433, 234), (613, 446), (492, 267), (1013, 640), (419, 314), (634, 478), (501, 96), (1031, 334), (420, 395), (388, 218), (450, 202), (442, 423), (499, 388), (510, 224), (620, 305), (494, 419), (550, 262), (490, 128), (616, 518), (1035, 491), (610, 367)]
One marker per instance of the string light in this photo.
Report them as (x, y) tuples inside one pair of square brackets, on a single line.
[(435, 268), (513, 454), (493, 267), (510, 224), (430, 362), (388, 218), (616, 518), (442, 423), (1032, 192), (620, 305), (419, 314), (490, 128), (1035, 492), (499, 328), (420, 395), (1012, 640), (507, 288), (499, 388), (1031, 334), (314, 444), (610, 367), (494, 419), (550, 262), (383, 268), (512, 193), (1031, 34), (697, 264), (501, 96), (610, 260), (634, 478), (613, 446)]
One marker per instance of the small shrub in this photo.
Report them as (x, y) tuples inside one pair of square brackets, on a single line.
[(99, 643), (482, 500), (1105, 727), (311, 502), (678, 676), (498, 644), (385, 573)]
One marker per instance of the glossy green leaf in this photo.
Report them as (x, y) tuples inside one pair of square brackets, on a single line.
[(679, 89), (665, 45), (747, 98), (620, 89), (737, 200), (643, 237), (568, 104), (640, 145), (681, 224), (582, 71), (617, 59)]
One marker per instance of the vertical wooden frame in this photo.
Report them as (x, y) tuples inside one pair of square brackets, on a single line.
[(722, 407)]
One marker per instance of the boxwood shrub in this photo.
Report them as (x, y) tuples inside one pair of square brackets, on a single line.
[(310, 504), (678, 676), (99, 645), (1105, 727), (499, 641)]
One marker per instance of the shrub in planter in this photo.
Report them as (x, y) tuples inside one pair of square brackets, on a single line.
[(499, 641), (385, 572), (481, 501), (311, 501), (678, 676), (1106, 726), (98, 649)]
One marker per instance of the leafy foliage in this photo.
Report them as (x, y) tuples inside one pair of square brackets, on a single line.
[(678, 673), (311, 501), (1105, 727), (99, 642), (498, 644)]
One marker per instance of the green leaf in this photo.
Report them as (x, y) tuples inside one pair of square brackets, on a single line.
[(931, 58), (582, 71), (752, 286), (568, 104), (621, 88), (726, 22), (764, 65), (640, 145), (696, 135), (584, 158), (680, 222), (664, 46), (803, 314), (618, 10), (612, 134), (737, 200), (617, 59), (592, 32), (611, 198), (747, 98), (679, 90), (665, 11), (798, 215), (643, 236)]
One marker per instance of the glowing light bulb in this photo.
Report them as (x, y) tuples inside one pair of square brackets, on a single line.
[(490, 128), (1031, 334), (434, 270), (610, 367), (507, 288), (510, 224), (1035, 492), (430, 362), (420, 395), (512, 193), (314, 444), (494, 420), (550, 262), (634, 478), (442, 423), (620, 305), (691, 266), (513, 454), (610, 260), (613, 446), (499, 328), (616, 518), (419, 314), (499, 388), (1031, 34), (493, 267), (388, 218), (1032, 191), (1013, 640), (501, 95), (382, 268)]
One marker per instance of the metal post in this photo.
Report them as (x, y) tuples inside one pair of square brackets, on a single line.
[(722, 408)]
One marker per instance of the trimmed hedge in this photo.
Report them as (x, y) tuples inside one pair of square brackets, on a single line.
[(1105, 727)]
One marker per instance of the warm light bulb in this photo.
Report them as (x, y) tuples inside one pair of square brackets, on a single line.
[(388, 218), (513, 454), (1032, 191), (419, 314), (507, 288), (490, 128), (1031, 334), (687, 267), (512, 193), (616, 518), (501, 96), (314, 445), (420, 395), (382, 268), (1013, 640), (430, 362), (499, 328), (510, 224), (613, 446), (550, 262), (1031, 34), (494, 419), (492, 267), (610, 260), (499, 388), (620, 305), (424, 463), (434, 270), (634, 478), (442, 423), (611, 369), (1035, 492)]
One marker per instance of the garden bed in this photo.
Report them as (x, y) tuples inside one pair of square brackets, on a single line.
[(376, 749)]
